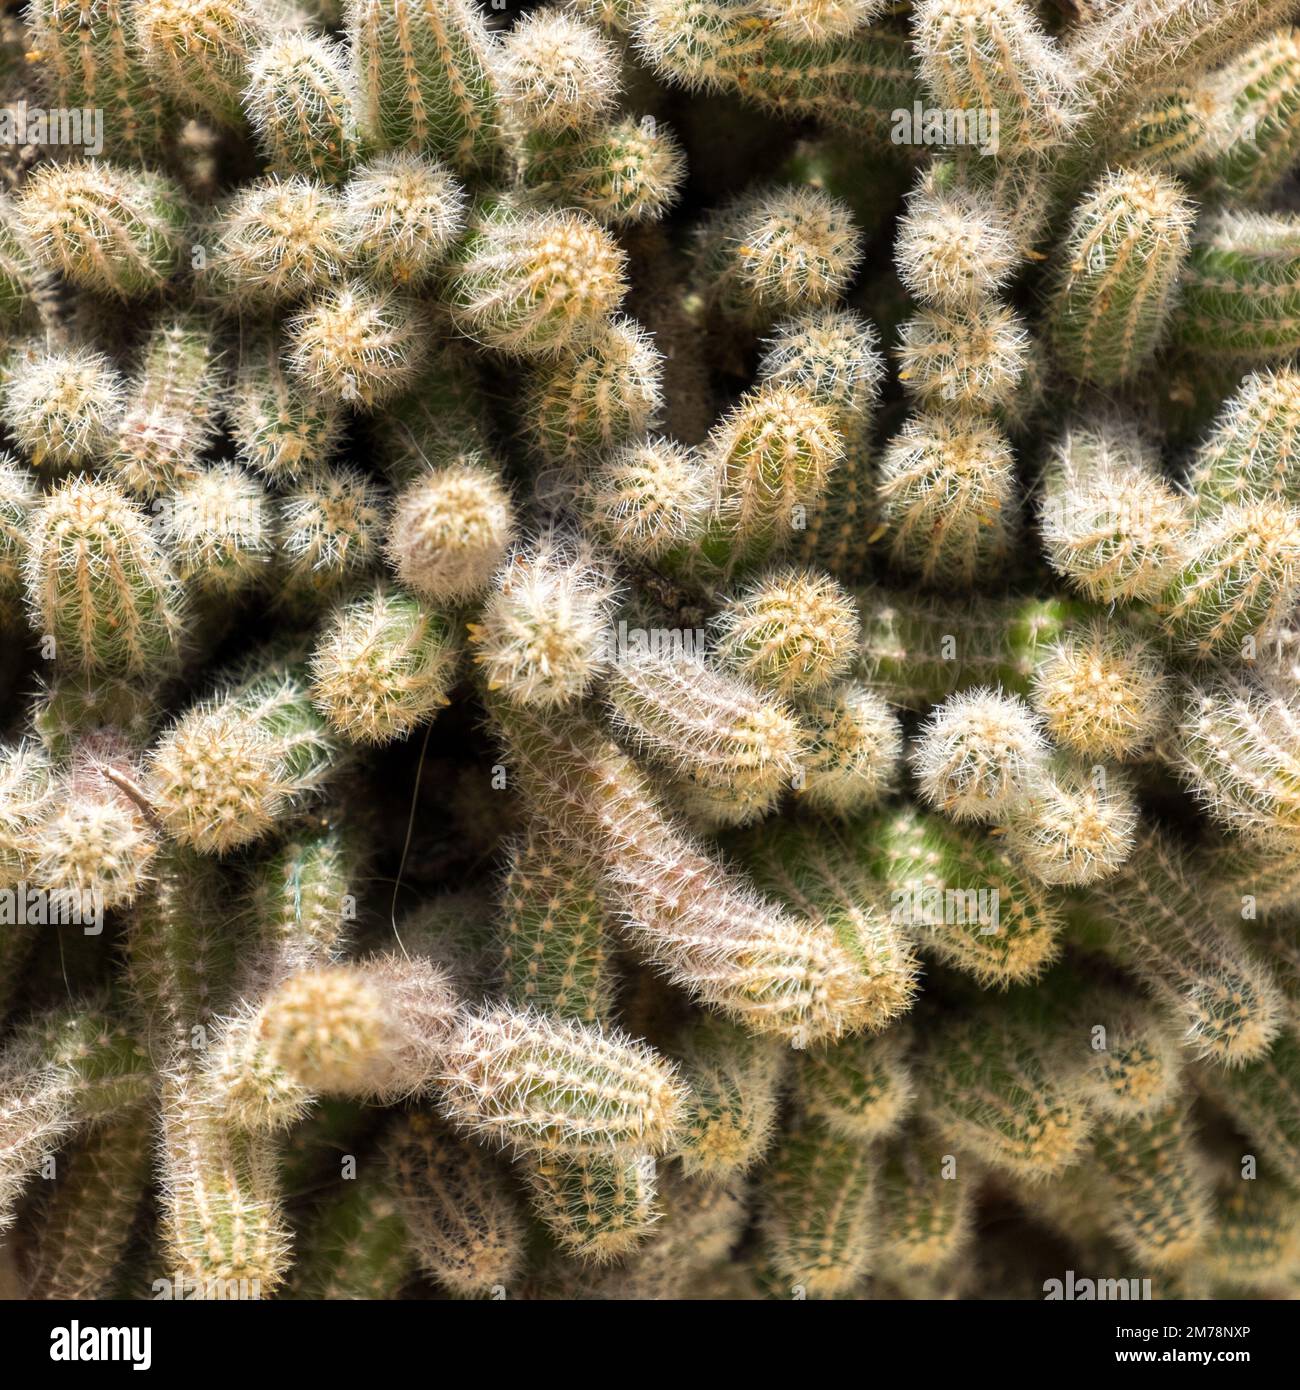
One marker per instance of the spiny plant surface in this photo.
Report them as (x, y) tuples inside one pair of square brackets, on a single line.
[(650, 649)]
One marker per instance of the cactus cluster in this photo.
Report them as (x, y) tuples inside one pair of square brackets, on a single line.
[(648, 649)]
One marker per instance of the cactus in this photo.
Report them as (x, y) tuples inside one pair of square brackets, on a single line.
[(818, 1203), (428, 80), (402, 214), (173, 405), (661, 636), (299, 100), (946, 498), (542, 636), (62, 409), (233, 765), (98, 582), (1122, 255), (108, 228), (1236, 290), (382, 666), (535, 284), (450, 528)]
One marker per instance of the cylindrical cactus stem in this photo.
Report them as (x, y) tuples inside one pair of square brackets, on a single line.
[(819, 877), (623, 172), (429, 81), (235, 764), (200, 51), (1238, 296), (1103, 691), (771, 457), (280, 428), (1133, 43), (818, 1199), (789, 631), (1134, 1064), (97, 841), (16, 266), (534, 284), (1122, 255), (1162, 1210), (98, 582), (917, 651), (450, 529), (946, 497), (955, 247), (300, 101), (90, 61), (978, 754), (1254, 1241), (1005, 1091), (275, 241), (26, 779), (1240, 571), (404, 212), (1237, 753), (462, 1223), (996, 58), (558, 73), (854, 83), (356, 1245), (383, 665), (927, 1208), (62, 408), (734, 1082), (555, 944), (704, 725), (1263, 1100), (776, 252), (223, 1231), (218, 526), (834, 356), (330, 533), (18, 496), (1228, 1005), (358, 344), (646, 499), (1110, 523), (861, 1089), (374, 1031), (543, 635), (596, 1207), (1252, 453), (602, 397), (707, 930), (84, 1229), (62, 1071), (1075, 824), (538, 1085), (853, 746), (1172, 129), (1256, 136), (174, 404), (961, 895), (969, 357), (117, 231), (820, 21)]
